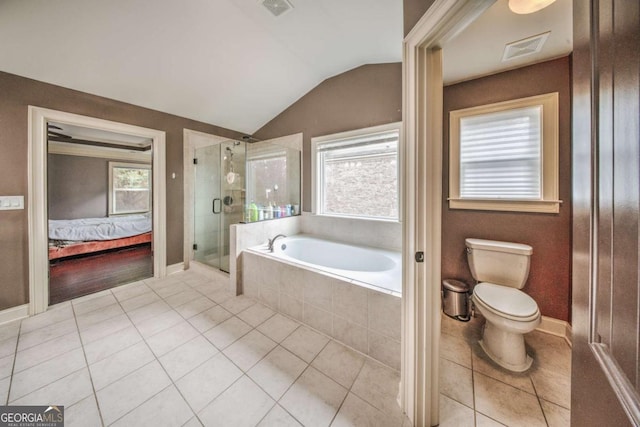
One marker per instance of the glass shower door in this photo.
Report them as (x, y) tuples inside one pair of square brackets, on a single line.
[(208, 233)]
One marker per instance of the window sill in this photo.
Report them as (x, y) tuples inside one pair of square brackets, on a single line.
[(535, 206), (356, 217)]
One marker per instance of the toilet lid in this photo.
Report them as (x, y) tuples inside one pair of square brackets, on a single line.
[(503, 299)]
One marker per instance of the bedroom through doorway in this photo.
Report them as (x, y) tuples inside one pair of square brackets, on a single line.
[(99, 208)]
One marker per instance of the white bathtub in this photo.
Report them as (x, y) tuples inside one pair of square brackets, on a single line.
[(369, 266), (350, 293)]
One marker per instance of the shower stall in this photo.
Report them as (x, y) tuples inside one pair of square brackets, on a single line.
[(219, 199)]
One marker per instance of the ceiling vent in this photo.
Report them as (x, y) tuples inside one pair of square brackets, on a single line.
[(524, 47), (277, 7)]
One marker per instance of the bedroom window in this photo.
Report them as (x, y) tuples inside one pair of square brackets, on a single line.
[(129, 188), (356, 173), (504, 156)]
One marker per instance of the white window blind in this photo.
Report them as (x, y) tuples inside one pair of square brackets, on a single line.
[(500, 155)]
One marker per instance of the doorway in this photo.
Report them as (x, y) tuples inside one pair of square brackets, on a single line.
[(37, 202), (219, 177)]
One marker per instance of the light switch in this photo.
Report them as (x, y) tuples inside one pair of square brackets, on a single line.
[(11, 203)]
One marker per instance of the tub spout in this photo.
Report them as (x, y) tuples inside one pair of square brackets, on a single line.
[(272, 241)]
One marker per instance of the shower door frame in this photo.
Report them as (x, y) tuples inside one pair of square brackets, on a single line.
[(189, 147)]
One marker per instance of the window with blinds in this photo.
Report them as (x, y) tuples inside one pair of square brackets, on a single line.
[(500, 155), (356, 173), (504, 156)]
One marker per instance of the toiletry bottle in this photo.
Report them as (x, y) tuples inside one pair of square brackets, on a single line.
[(269, 211), (253, 212)]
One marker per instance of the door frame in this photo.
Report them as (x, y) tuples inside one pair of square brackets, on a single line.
[(37, 199), (423, 121)]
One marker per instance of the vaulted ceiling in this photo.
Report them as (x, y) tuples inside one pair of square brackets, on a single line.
[(226, 62)]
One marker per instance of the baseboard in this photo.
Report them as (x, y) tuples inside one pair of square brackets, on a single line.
[(175, 268), (556, 327), (14, 313)]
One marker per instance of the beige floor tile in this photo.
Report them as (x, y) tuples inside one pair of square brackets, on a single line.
[(46, 334), (8, 346), (195, 307), (220, 295), (277, 371), (455, 349), (189, 355), (103, 329), (357, 412), (556, 416), (41, 353), (4, 390), (112, 344), (176, 300), (6, 365), (379, 386), (158, 324), (95, 316), (484, 421), (552, 387), (46, 373), (242, 404), (238, 303), (166, 408), (128, 393), (227, 332), (118, 365), (278, 417), (193, 422), (83, 414), (93, 302), (172, 289), (130, 290), (506, 404), (66, 391), (305, 343), (456, 382), (200, 386), (550, 352), (482, 364), (256, 314), (54, 314), (314, 398), (339, 363), (455, 414), (172, 338), (249, 349), (209, 318), (278, 327), (10, 330), (148, 311)]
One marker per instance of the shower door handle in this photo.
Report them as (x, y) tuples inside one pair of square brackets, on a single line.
[(217, 205)]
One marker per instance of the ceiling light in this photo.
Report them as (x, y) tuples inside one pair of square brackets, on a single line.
[(522, 7)]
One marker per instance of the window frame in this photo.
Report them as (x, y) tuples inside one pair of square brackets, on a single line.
[(317, 172), (110, 198), (549, 159)]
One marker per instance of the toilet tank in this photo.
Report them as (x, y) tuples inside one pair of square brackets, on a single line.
[(502, 263)]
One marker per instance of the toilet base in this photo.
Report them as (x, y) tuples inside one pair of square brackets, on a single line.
[(505, 348)]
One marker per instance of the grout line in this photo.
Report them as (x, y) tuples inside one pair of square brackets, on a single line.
[(539, 401), (13, 366)]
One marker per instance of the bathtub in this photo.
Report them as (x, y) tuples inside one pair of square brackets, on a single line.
[(350, 293), (368, 266)]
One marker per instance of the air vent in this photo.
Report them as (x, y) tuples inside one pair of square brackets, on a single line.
[(277, 7), (524, 47)]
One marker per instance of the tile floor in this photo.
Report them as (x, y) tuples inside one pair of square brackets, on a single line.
[(475, 391), (183, 352)]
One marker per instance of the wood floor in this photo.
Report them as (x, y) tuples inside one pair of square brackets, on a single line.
[(75, 277)]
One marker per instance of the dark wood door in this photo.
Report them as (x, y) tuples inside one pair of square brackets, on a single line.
[(606, 181)]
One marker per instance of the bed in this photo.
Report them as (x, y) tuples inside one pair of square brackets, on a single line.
[(89, 235)]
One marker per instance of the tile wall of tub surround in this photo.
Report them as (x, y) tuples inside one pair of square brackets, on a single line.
[(377, 234), (364, 319), (244, 236)]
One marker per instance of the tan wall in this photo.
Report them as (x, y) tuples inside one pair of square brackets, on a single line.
[(413, 11), (17, 94), (365, 96), (549, 234)]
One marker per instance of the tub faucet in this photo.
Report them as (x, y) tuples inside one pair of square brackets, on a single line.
[(272, 241)]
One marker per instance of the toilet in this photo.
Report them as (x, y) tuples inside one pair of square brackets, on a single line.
[(500, 270)]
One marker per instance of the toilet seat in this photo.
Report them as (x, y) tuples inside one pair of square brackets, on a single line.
[(507, 302)]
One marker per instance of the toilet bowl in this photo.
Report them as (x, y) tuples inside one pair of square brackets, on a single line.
[(509, 314), (501, 268)]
